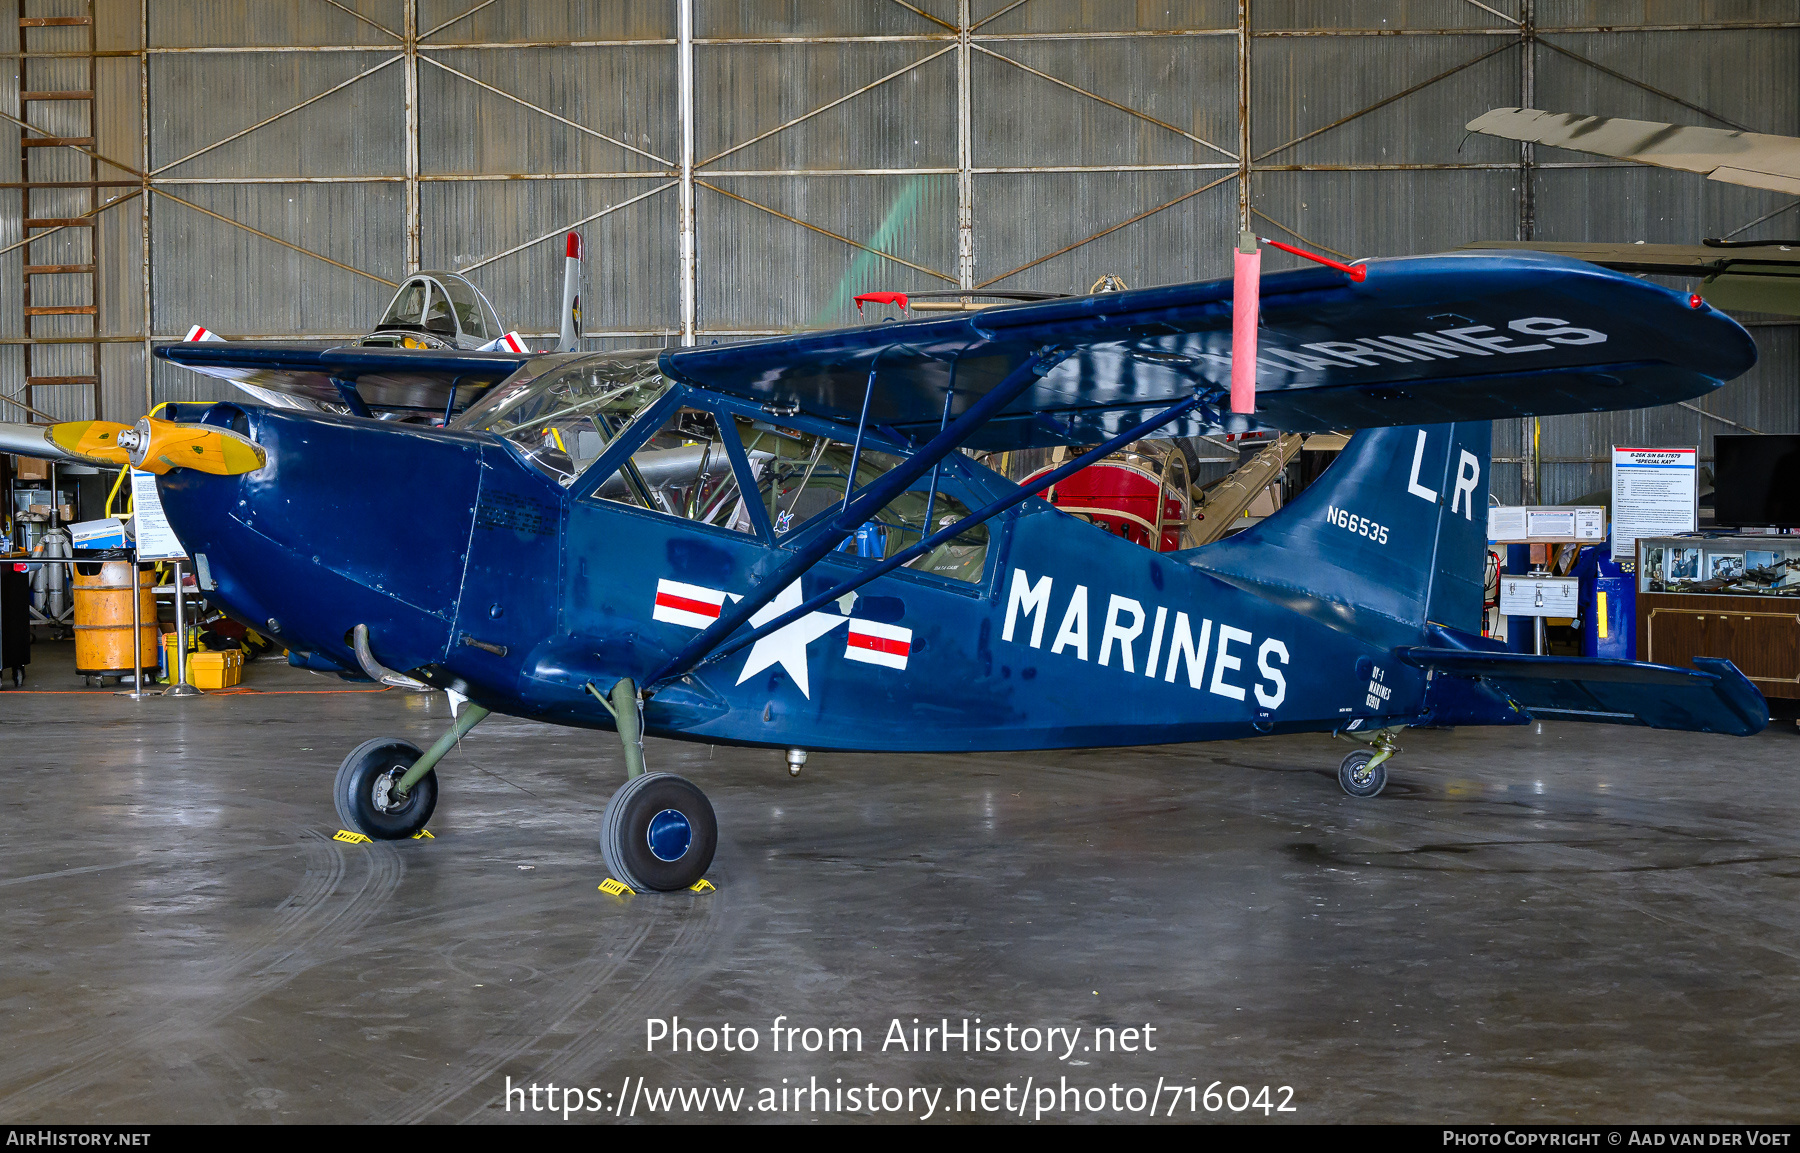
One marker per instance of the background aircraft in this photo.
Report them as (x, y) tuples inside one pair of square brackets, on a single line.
[(432, 311), (582, 556), (1754, 276)]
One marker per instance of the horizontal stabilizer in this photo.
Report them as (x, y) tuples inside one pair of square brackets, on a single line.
[(1712, 698)]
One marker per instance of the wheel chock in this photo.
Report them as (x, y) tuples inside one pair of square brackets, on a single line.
[(350, 838), (702, 886), (423, 835), (614, 888)]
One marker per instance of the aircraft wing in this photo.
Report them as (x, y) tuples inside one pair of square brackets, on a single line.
[(1750, 158), (1425, 339), (1753, 277), (384, 378), (1714, 697)]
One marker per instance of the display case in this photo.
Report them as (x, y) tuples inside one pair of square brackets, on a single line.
[(1718, 595)]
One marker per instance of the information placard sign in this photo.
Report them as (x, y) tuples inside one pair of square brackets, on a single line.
[(1655, 493), (1547, 524), (155, 539)]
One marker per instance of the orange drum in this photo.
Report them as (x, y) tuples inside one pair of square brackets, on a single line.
[(103, 617), (1126, 496)]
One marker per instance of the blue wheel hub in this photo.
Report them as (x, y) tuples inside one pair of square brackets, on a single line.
[(669, 835)]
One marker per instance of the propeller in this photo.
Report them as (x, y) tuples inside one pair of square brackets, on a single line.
[(95, 440), (160, 445)]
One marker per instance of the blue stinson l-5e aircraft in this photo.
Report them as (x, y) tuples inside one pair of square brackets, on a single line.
[(778, 543)]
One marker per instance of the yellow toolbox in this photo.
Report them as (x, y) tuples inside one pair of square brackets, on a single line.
[(215, 670)]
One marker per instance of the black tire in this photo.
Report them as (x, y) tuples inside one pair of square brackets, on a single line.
[(1357, 778), (659, 833), (362, 783)]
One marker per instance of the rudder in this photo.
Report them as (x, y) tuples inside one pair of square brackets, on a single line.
[(1396, 526)]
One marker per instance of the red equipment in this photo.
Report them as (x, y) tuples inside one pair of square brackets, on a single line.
[(1130, 494)]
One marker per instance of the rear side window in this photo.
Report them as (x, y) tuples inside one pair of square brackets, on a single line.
[(803, 476)]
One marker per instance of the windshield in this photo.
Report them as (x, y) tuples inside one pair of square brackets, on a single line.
[(408, 306), (562, 411)]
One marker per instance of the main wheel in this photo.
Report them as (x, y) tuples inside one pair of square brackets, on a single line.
[(364, 790), (1358, 779), (658, 833)]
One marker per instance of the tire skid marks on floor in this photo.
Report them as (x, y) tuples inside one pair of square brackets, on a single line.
[(688, 935), (566, 998), (323, 915), (645, 970)]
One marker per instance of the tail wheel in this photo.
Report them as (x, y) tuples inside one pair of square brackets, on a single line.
[(1358, 778), (365, 796), (658, 833)]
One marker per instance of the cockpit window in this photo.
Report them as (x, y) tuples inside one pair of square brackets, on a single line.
[(467, 305), (438, 319), (562, 412), (408, 306)]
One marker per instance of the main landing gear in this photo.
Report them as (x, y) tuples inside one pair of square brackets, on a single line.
[(658, 832), (1364, 772)]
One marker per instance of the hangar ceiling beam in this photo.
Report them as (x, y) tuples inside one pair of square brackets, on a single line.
[(273, 239), (409, 139), (560, 119), (1386, 100), (1650, 88), (965, 153), (559, 232), (946, 277), (848, 96), (242, 132), (375, 24), (457, 19), (1103, 100), (684, 85)]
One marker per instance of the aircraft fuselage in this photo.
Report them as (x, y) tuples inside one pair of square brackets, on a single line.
[(466, 563)]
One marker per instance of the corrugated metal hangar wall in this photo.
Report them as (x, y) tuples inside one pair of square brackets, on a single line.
[(285, 161)]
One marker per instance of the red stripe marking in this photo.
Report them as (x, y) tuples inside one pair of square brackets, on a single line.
[(671, 601), (880, 644)]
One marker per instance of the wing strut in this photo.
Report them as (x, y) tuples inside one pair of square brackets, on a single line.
[(677, 667), (346, 388), (869, 500)]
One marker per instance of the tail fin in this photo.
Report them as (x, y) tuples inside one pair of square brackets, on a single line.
[(570, 339), (511, 342), (200, 333), (1396, 527)]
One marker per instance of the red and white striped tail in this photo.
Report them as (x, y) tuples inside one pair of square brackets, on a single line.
[(873, 643), (198, 333), (685, 604)]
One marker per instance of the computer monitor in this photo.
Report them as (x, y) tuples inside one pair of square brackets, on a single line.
[(1756, 481)]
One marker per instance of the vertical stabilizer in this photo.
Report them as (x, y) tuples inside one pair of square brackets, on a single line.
[(570, 338), (1396, 527)]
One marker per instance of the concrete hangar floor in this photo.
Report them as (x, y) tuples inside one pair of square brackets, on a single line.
[(1567, 923)]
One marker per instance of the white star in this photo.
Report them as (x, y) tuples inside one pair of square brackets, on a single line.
[(787, 646)]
